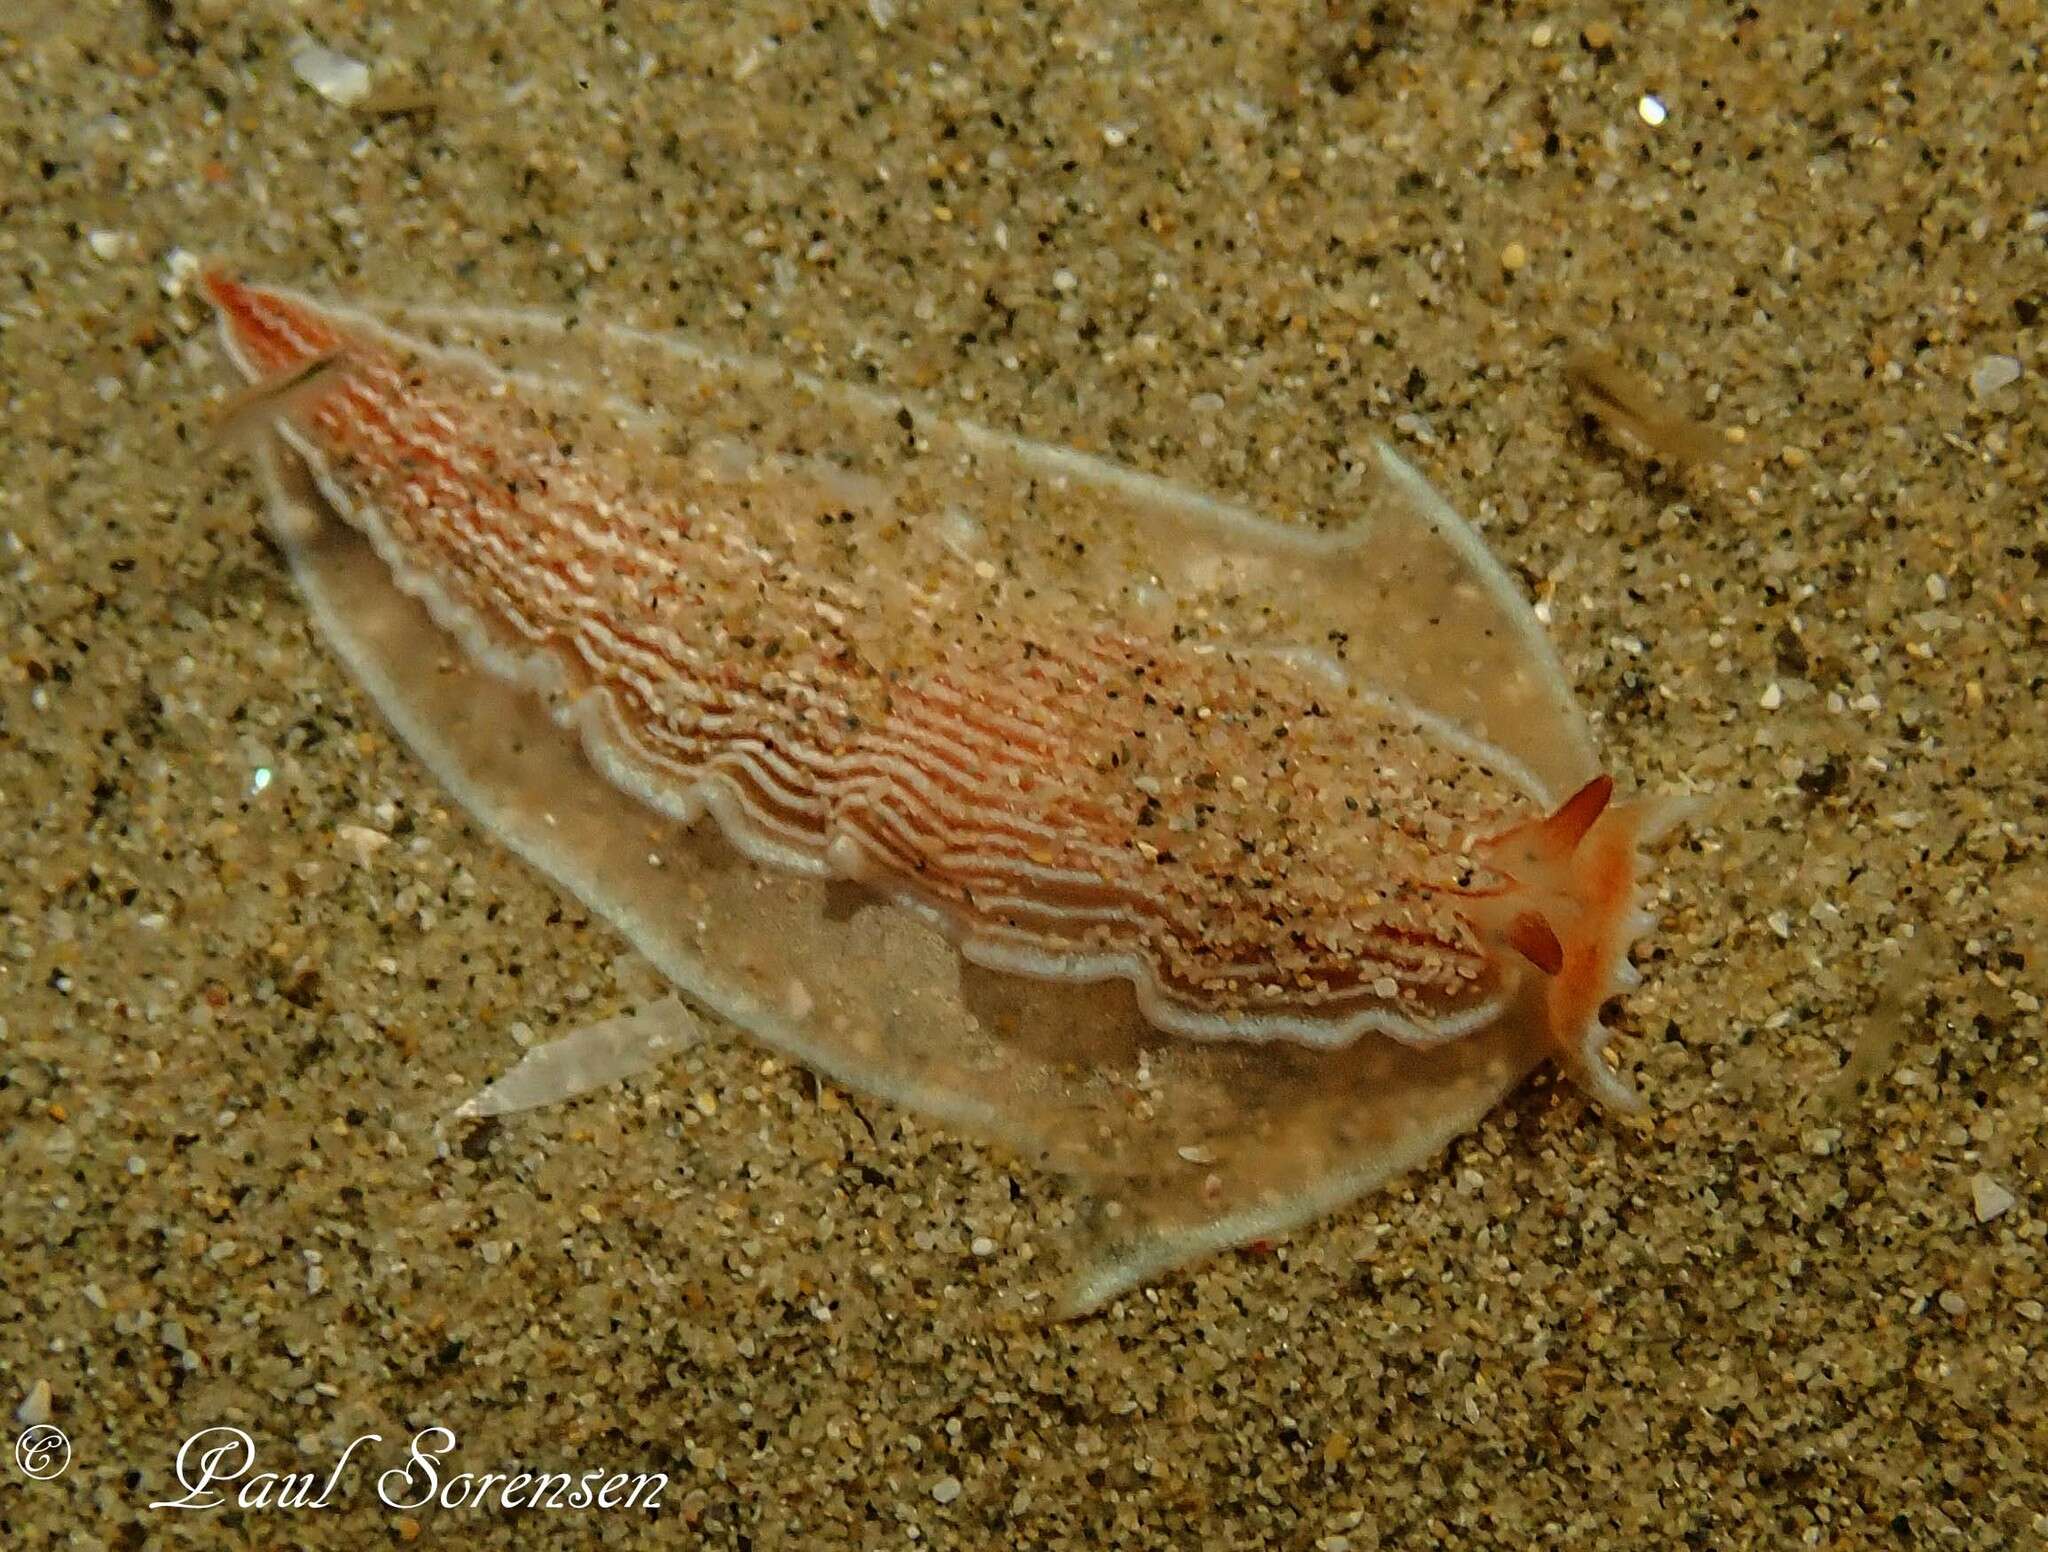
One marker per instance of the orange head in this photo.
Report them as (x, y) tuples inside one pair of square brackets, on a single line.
[(1569, 910)]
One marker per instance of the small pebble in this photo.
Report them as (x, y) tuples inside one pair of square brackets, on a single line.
[(1513, 257), (111, 245), (1990, 1198), (1651, 109), (946, 1489), (35, 1406), (1992, 374), (983, 1245), (361, 840), (180, 268), (1952, 1302)]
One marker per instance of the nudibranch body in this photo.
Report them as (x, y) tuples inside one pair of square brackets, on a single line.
[(943, 667)]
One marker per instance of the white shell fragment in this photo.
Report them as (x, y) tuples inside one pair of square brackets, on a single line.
[(606, 1052), (335, 76), (35, 1406), (1993, 373), (1989, 1198)]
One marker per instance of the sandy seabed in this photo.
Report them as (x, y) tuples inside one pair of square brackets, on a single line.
[(253, 957)]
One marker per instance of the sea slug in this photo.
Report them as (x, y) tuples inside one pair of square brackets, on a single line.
[(1062, 801)]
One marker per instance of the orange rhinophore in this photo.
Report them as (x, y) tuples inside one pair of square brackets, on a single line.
[(994, 778)]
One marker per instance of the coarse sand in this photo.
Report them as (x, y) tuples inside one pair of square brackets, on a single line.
[(253, 957)]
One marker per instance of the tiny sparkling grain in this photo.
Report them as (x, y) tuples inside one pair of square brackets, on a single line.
[(1651, 109)]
